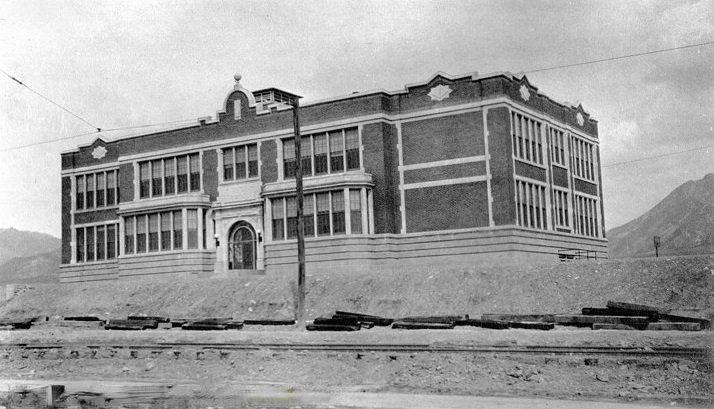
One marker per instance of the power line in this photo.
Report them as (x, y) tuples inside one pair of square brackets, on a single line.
[(619, 57), (93, 133), (609, 165), (51, 101)]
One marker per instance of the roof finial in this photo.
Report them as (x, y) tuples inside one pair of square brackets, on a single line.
[(237, 77)]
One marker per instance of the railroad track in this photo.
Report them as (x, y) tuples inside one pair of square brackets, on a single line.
[(665, 352)]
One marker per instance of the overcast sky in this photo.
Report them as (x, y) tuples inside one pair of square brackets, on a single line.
[(119, 64)]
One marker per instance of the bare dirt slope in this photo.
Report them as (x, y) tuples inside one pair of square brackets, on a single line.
[(674, 282)]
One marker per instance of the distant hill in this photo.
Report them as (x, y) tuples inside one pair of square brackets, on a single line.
[(684, 220), (28, 256)]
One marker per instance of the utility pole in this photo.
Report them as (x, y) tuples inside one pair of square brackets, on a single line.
[(300, 222)]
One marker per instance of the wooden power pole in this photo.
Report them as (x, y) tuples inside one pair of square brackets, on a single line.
[(300, 222)]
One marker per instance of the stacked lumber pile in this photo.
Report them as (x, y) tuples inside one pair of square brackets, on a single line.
[(621, 315)]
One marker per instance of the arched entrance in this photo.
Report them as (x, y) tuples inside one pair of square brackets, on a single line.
[(242, 247)]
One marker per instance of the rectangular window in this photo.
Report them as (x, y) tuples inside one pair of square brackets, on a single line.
[(323, 214), (355, 211), (308, 216), (129, 235), (154, 232), (178, 230), (101, 243), (253, 160), (141, 234), (111, 188), (289, 158), (156, 178), (182, 178), (292, 217), (352, 148), (320, 142), (165, 231), (80, 244), (338, 212), (240, 162), (306, 155), (90, 243), (195, 163), (278, 219), (337, 147), (228, 164), (530, 206), (527, 139), (80, 193), (192, 226), (170, 176), (144, 180), (101, 188), (90, 191), (111, 241)]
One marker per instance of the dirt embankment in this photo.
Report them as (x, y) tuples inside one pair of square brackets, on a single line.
[(681, 283)]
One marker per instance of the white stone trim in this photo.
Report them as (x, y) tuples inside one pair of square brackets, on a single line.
[(400, 168), (487, 157), (446, 162), (446, 182)]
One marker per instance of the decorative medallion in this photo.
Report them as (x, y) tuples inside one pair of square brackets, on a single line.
[(580, 119), (440, 92), (99, 152), (525, 94)]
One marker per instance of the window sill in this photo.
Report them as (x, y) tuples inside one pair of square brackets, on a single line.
[(528, 162), (322, 182), (239, 181), (96, 209)]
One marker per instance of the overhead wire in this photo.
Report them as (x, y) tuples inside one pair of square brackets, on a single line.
[(609, 165)]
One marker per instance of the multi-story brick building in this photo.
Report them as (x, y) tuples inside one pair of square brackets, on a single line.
[(453, 171)]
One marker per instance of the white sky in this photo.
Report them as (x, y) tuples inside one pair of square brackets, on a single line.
[(119, 63)]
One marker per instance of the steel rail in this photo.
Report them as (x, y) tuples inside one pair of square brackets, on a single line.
[(396, 348)]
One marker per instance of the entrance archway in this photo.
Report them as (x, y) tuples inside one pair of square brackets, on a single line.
[(242, 245)]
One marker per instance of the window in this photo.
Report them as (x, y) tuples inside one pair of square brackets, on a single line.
[(141, 234), (96, 243), (129, 235), (90, 191), (89, 234), (324, 214), (170, 176), (240, 162), (154, 232), (308, 215), (557, 146), (111, 188), (192, 227), (531, 205), (355, 211), (526, 138), (80, 244), (80, 193), (338, 212), (582, 157), (101, 243), (178, 230), (156, 178), (182, 178), (277, 219), (144, 180), (165, 231), (111, 241), (101, 179), (195, 167), (324, 152), (561, 208), (585, 220), (292, 217)]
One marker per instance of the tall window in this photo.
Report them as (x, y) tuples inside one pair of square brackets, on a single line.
[(129, 230), (308, 215), (154, 232), (89, 233), (101, 243), (182, 178), (324, 152), (170, 176), (156, 178), (178, 230), (323, 213), (80, 192), (144, 180), (240, 162), (192, 227), (561, 208), (557, 146), (195, 167), (526, 138), (292, 217), (338, 212), (90, 191), (582, 157), (101, 179), (278, 219), (111, 241), (166, 231), (355, 211), (80, 244), (111, 188), (585, 218), (141, 234)]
